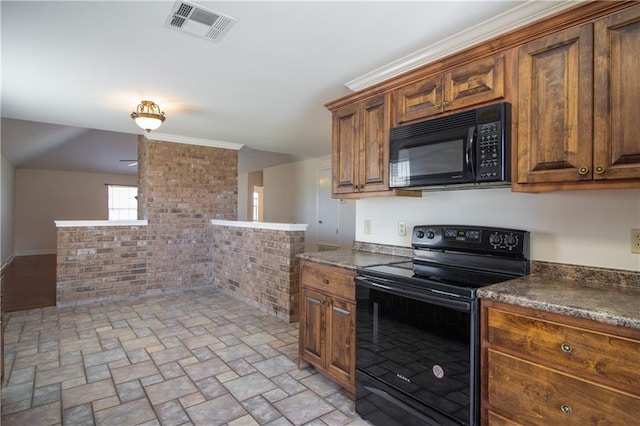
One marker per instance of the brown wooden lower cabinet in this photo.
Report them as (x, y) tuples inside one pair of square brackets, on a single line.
[(327, 321), (541, 368)]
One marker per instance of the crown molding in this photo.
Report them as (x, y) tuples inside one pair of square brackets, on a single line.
[(163, 137), (510, 20)]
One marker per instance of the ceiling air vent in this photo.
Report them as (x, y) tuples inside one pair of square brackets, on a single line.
[(198, 21)]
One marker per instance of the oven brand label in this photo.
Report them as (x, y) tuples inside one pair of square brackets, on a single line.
[(438, 371), (400, 376)]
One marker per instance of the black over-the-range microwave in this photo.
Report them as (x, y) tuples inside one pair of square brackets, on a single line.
[(470, 148)]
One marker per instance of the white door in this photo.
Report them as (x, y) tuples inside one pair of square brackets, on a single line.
[(328, 216)]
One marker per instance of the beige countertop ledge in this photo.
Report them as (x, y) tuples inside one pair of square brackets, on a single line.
[(262, 225), (76, 223)]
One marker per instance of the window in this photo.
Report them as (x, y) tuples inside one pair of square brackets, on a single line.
[(123, 202), (256, 204)]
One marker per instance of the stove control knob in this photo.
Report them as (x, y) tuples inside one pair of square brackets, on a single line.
[(510, 240), (495, 239), (420, 234), (430, 234)]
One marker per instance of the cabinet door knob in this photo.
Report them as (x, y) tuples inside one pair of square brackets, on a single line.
[(325, 281), (437, 105), (565, 347), (599, 170), (583, 170), (445, 104), (565, 409)]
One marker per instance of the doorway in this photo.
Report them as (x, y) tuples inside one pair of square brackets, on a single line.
[(328, 214)]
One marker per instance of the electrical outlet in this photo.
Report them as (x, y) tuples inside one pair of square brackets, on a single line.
[(367, 226), (402, 228), (635, 241)]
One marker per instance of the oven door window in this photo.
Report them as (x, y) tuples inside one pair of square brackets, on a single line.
[(426, 160), (419, 348)]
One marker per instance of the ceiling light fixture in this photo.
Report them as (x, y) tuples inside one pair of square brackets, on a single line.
[(148, 116)]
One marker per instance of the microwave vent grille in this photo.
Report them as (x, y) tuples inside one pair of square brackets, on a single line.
[(463, 119)]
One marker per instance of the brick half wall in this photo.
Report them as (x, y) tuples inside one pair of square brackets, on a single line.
[(101, 263), (260, 267)]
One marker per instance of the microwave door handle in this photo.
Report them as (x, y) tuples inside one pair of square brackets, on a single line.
[(471, 137)]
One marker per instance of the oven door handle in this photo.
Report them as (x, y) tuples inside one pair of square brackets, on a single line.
[(389, 287)]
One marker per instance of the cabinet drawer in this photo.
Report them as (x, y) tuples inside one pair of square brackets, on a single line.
[(602, 356), (531, 394), (498, 420), (329, 280)]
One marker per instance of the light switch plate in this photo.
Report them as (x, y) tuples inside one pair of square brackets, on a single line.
[(367, 226), (635, 241)]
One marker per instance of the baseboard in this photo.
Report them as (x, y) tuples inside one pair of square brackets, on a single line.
[(5, 264), (35, 252)]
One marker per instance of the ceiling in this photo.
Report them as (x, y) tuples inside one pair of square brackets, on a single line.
[(73, 71)]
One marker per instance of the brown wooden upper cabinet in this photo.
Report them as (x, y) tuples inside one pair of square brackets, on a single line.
[(578, 97), (474, 83), (360, 152)]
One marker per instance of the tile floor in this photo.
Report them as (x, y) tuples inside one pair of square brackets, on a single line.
[(199, 357)]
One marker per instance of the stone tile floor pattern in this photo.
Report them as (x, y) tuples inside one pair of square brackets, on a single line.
[(194, 358)]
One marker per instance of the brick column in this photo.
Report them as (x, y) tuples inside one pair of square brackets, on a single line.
[(181, 188)]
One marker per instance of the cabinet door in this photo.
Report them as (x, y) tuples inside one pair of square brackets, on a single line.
[(312, 317), (340, 331), (374, 144), (418, 100), (617, 96), (345, 150), (555, 81), (477, 82)]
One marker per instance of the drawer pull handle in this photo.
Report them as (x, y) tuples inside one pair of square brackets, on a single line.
[(566, 348), (565, 409), (325, 281)]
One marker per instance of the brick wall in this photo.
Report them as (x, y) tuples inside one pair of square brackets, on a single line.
[(99, 263), (259, 266), (183, 187), (180, 189)]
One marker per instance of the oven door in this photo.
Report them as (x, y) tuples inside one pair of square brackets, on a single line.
[(415, 349), (442, 158)]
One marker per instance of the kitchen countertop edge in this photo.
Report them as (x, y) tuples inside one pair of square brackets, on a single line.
[(596, 301), (352, 259)]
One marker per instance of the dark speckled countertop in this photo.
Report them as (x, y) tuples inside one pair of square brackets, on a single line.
[(604, 295), (606, 303), (599, 294), (352, 259)]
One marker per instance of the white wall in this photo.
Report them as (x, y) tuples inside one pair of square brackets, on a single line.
[(43, 196), (290, 196), (577, 227), (7, 249), (243, 194)]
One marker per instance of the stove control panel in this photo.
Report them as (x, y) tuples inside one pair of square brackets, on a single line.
[(509, 242)]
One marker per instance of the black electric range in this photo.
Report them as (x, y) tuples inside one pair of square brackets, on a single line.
[(417, 324)]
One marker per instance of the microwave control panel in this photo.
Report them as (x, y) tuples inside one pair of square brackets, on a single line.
[(489, 152)]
